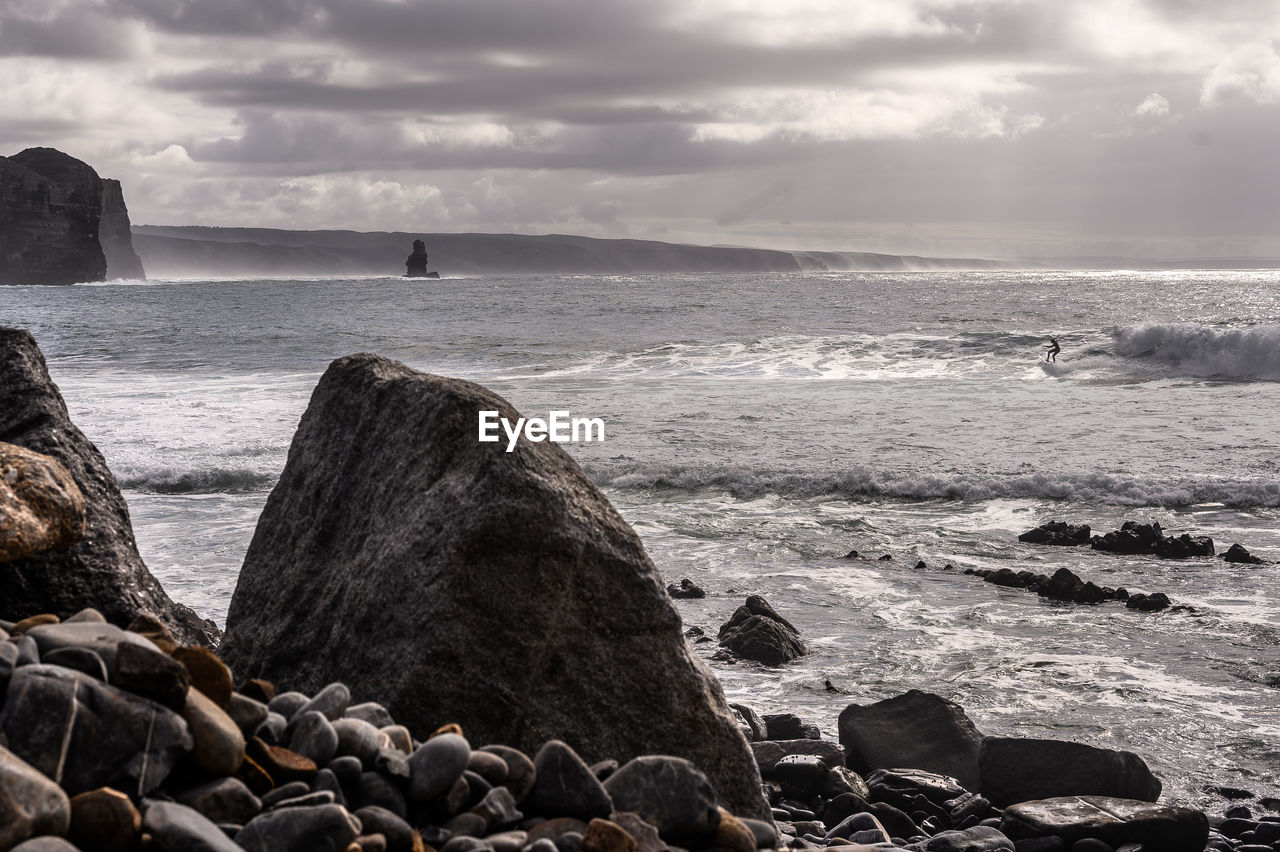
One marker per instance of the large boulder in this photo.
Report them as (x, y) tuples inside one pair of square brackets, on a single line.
[(103, 570), (918, 730), (757, 632), (458, 582), (41, 507), (50, 207), (1015, 769), (1114, 821)]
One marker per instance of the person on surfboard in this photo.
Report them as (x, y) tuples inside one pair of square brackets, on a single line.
[(1052, 350)]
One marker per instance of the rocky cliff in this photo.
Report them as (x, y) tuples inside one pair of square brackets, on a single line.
[(115, 236), (50, 207)]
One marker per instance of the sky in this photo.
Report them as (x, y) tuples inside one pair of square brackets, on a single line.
[(994, 128)]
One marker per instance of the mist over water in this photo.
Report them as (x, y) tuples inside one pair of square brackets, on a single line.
[(760, 427)]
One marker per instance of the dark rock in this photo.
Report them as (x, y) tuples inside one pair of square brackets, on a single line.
[(103, 639), (151, 673), (326, 779), (359, 739), (977, 839), (1020, 770), (1230, 793), (1133, 537), (8, 662), (803, 773), (307, 800), (77, 659), (398, 833), (1115, 821), (686, 589), (1237, 553), (437, 765), (178, 828), (372, 712), (103, 570), (1148, 603), (769, 752), (323, 828), (332, 702), (115, 236), (603, 769), (498, 809), (1064, 585), (50, 210), (314, 737), (755, 724), (521, 773), (789, 726), (755, 631), (287, 704), (259, 690), (841, 780), (219, 747), (648, 840), (1058, 533), (104, 820), (669, 793), (28, 652), (369, 510), (85, 734), (30, 803), (1185, 547), (284, 792), (208, 673), (916, 729), (248, 713), (416, 263), (565, 786), (376, 789), (222, 800), (489, 766)]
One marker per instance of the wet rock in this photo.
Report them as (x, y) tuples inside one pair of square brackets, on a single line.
[(41, 507), (219, 745), (104, 820), (1019, 770), (755, 631), (116, 236), (756, 724), (110, 738), (565, 786), (916, 729), (308, 829), (669, 793), (1133, 537), (1058, 533), (178, 828), (1237, 553), (686, 590), (103, 569), (339, 540), (152, 674), (436, 766), (30, 803), (1113, 820), (1064, 585), (1148, 603)]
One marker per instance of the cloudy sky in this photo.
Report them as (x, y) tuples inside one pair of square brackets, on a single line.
[(946, 127)]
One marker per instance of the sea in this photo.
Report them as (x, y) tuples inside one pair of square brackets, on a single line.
[(759, 427)]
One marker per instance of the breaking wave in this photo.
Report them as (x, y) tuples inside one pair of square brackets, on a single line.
[(1250, 352), (208, 481)]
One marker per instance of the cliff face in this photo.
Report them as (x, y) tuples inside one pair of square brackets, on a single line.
[(115, 236), (50, 208)]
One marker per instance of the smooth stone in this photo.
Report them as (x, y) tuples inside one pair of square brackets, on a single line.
[(369, 843), (542, 845), (44, 844), (254, 776), (225, 800), (393, 764), (178, 828), (31, 804), (28, 652), (246, 712), (332, 701), (398, 833), (49, 712), (104, 820), (318, 797), (399, 737), (285, 792), (373, 713), (208, 673), (1023, 769), (521, 773), (347, 769), (916, 729), (605, 836), (259, 690), (732, 835), (853, 824), (8, 662), (667, 792), (466, 843), (281, 764), (507, 841), (766, 833), (360, 739), (287, 704), (769, 752), (805, 773), (436, 765), (467, 825), (102, 639), (375, 789), (87, 614), (565, 786), (314, 737), (151, 673), (498, 808), (326, 780), (272, 730), (977, 839), (219, 745), (77, 659), (1116, 821), (323, 828), (488, 766), (477, 787)]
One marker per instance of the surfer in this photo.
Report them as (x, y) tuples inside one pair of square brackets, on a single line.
[(1052, 350)]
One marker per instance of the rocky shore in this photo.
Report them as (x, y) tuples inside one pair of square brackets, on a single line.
[(437, 646)]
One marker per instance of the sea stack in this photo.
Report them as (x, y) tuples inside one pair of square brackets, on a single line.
[(416, 264)]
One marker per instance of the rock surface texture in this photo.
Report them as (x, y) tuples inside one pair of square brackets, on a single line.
[(455, 580), (916, 729), (103, 570), (41, 507), (50, 207), (1019, 770), (115, 236)]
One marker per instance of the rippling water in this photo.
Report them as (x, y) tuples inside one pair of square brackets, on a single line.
[(759, 427)]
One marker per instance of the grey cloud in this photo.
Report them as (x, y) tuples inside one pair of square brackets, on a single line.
[(781, 189), (71, 33)]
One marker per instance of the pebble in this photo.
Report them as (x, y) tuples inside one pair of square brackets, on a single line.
[(178, 828), (399, 737), (436, 765), (287, 704), (489, 766), (208, 674), (284, 792), (372, 712), (219, 745), (667, 792), (306, 829), (565, 786), (222, 800), (248, 713), (360, 739), (397, 833), (151, 673), (104, 820), (521, 772), (281, 764), (314, 737), (44, 844), (332, 701)]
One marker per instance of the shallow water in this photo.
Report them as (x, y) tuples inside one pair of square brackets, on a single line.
[(759, 427)]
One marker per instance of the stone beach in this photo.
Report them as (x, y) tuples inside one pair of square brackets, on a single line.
[(435, 646)]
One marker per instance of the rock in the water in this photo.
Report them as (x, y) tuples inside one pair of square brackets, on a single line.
[(669, 793), (686, 590), (103, 570), (1058, 533), (85, 734), (30, 804), (1237, 553), (755, 631), (915, 729), (41, 507), (320, 828), (1113, 820), (50, 210), (115, 236), (178, 828), (1133, 537), (105, 820), (390, 505), (1019, 770), (564, 786)]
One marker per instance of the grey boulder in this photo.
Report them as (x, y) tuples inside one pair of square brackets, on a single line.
[(670, 794), (1018, 770), (1111, 820)]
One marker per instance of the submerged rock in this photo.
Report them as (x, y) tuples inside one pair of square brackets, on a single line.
[(755, 631), (396, 546), (103, 570)]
